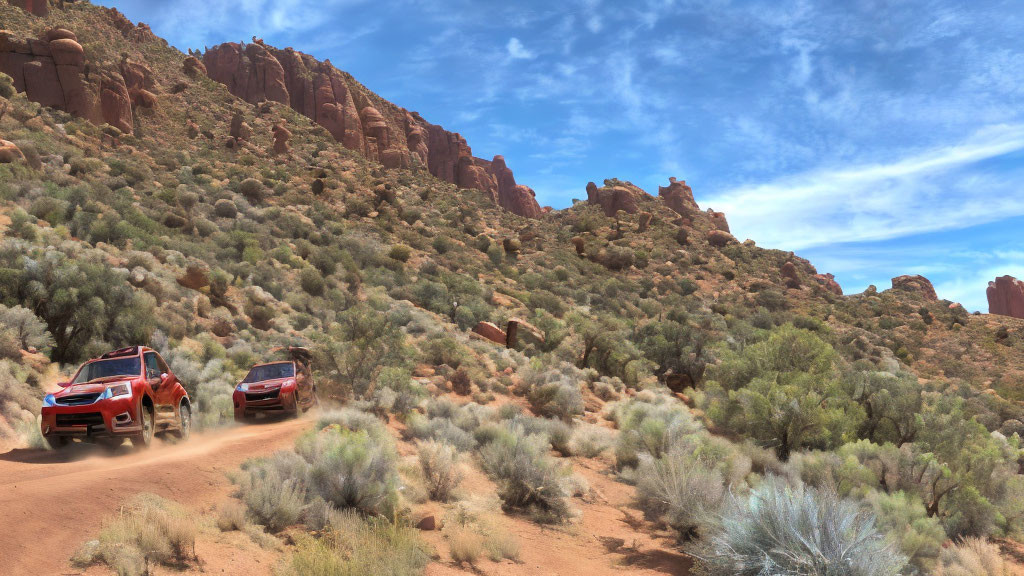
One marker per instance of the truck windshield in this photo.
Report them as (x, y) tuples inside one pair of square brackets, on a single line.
[(270, 372), (107, 368)]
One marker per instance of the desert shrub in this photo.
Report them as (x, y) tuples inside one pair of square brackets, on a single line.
[(439, 463), (972, 557), (311, 281), (649, 424), (557, 398), (465, 546), (354, 546), (679, 490), (502, 545), (784, 530), (231, 516), (904, 517), (400, 252), (527, 477), (589, 441), (148, 530), (352, 469), (441, 429), (252, 189), (354, 346), (407, 394), (273, 499), (559, 436), (225, 208)]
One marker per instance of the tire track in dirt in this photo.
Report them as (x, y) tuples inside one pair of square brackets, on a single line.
[(51, 502)]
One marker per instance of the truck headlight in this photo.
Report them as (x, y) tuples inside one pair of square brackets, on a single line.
[(48, 400), (243, 387)]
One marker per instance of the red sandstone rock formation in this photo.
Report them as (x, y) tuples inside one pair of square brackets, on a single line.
[(52, 72), (37, 7), (193, 67), (679, 197), (789, 274), (281, 137), (616, 195), (491, 332), (915, 283), (1006, 297), (135, 32), (828, 282), (361, 120), (718, 221)]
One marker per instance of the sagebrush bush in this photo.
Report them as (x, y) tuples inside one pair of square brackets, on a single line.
[(972, 557), (589, 441), (465, 546), (784, 530), (680, 491), (649, 424), (352, 469), (148, 530), (440, 466), (273, 499), (527, 477), (231, 516)]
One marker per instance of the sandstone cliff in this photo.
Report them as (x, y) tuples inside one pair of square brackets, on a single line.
[(1006, 297), (361, 120)]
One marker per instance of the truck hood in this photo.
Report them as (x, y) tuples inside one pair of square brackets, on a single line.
[(89, 387)]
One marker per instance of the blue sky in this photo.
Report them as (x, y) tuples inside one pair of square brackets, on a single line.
[(873, 137)]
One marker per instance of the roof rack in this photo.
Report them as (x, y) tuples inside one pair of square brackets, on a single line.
[(129, 351)]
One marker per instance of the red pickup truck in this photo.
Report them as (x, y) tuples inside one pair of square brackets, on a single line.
[(283, 387), (128, 393)]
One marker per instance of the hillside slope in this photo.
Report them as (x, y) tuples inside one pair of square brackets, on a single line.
[(216, 206)]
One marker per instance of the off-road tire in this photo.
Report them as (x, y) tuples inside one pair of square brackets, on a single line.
[(145, 438)]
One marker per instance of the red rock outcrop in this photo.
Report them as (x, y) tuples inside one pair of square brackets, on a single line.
[(718, 221), (616, 195), (9, 153), (828, 282), (361, 120), (52, 71), (281, 137), (789, 275), (679, 197), (491, 332), (1006, 297), (193, 67), (135, 32), (37, 7), (915, 283)]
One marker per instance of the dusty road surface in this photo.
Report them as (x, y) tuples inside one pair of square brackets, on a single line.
[(51, 502)]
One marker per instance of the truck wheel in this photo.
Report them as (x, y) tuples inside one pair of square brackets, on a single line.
[(57, 442), (184, 422), (144, 438)]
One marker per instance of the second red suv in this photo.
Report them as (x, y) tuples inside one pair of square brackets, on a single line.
[(128, 393), (282, 387)]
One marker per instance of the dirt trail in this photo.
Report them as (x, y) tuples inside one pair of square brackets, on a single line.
[(51, 502)]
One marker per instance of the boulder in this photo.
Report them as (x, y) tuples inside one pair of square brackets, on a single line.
[(789, 275), (917, 284), (10, 153), (491, 332), (42, 85), (521, 333), (67, 52), (1006, 297), (679, 197), (719, 238), (60, 34), (616, 195), (427, 523), (644, 222)]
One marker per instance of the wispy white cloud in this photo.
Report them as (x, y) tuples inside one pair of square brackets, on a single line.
[(517, 51), (923, 192)]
